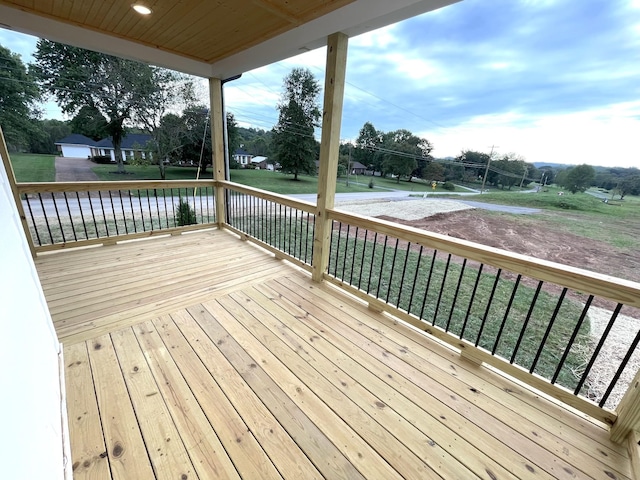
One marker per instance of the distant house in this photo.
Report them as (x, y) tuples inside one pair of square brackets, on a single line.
[(79, 146), (75, 146), (357, 168), (133, 144), (242, 157)]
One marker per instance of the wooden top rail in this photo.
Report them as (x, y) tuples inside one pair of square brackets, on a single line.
[(59, 187), (274, 197), (616, 289)]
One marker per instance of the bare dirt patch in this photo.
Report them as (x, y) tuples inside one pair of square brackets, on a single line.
[(532, 238)]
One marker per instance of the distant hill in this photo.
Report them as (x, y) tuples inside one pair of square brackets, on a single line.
[(552, 165)]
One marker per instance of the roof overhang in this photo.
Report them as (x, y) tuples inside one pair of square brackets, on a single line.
[(352, 18)]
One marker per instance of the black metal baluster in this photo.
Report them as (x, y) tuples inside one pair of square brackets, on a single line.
[(393, 270), (155, 194), (489, 302), (295, 235), (621, 368), (113, 211), (346, 248), (173, 208), (583, 315), (93, 215), (506, 314), (46, 219), (353, 256), (301, 234), (104, 215), (84, 224), (426, 290), (549, 327), (133, 214), (444, 279), (290, 229), (124, 217), (373, 256), (415, 279), (306, 243), (313, 235), (596, 352), (384, 253), (455, 295), (473, 296), (33, 220), (526, 322), (55, 205), (201, 209), (335, 268), (362, 257), (330, 250), (404, 271)]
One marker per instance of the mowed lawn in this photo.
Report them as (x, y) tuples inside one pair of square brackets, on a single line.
[(29, 167)]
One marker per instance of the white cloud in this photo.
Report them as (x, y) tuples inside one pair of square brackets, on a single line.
[(382, 38), (599, 137)]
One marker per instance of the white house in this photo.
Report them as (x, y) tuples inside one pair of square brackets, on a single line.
[(79, 146), (242, 157), (75, 146)]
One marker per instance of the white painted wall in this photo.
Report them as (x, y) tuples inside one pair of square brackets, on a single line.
[(75, 151), (31, 435)]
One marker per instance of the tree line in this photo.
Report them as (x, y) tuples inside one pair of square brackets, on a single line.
[(109, 96)]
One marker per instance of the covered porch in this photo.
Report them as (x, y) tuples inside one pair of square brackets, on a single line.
[(243, 367)]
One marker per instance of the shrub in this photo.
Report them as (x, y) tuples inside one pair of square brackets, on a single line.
[(185, 214), (449, 186), (371, 183), (101, 159)]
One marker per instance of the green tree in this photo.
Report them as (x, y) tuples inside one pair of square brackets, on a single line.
[(367, 144), (579, 178), (116, 87), (404, 154), (233, 135), (47, 133), (434, 172), (299, 113), (19, 95), (89, 122)]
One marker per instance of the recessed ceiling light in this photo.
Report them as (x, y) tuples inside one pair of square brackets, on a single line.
[(141, 9)]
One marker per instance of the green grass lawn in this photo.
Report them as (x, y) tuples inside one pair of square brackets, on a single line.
[(151, 172), (29, 167)]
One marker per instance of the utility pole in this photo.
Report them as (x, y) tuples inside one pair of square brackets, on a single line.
[(349, 163), (486, 171), (526, 170)]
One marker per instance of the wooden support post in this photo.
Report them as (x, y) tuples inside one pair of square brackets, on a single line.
[(329, 148), (8, 168), (628, 412), (217, 145)]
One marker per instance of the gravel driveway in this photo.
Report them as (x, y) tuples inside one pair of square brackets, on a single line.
[(75, 170)]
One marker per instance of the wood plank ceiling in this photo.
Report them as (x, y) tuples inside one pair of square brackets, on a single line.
[(207, 31)]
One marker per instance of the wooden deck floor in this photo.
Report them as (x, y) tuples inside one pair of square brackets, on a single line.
[(275, 376)]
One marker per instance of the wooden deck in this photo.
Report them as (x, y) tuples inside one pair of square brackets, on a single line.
[(250, 370)]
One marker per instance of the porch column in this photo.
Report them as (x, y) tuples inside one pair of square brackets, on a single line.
[(628, 412), (329, 148), (217, 145)]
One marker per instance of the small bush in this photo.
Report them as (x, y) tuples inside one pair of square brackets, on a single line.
[(449, 186), (185, 214), (101, 159), (371, 183)]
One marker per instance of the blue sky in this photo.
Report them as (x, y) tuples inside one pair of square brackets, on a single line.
[(551, 80)]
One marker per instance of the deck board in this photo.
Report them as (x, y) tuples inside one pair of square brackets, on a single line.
[(264, 374)]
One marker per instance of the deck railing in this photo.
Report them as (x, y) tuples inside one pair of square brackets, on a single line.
[(530, 318), (275, 222), (548, 325), (74, 214)]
